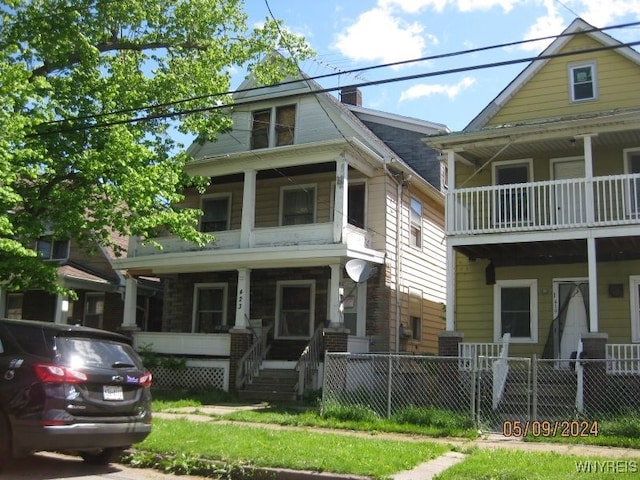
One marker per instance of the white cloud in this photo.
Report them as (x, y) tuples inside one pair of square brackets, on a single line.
[(426, 90), (473, 5), (413, 6), (602, 14), (547, 25), (377, 35)]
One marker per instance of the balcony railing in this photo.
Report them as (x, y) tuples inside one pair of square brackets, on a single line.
[(546, 205), (310, 234)]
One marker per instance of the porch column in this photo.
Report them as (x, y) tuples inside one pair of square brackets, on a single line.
[(62, 309), (340, 204), (335, 305), (451, 185), (242, 299), (248, 209), (130, 302), (588, 174), (593, 285), (450, 322)]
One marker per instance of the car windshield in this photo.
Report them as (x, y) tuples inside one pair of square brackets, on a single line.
[(91, 352)]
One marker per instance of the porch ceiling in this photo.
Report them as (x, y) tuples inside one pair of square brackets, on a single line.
[(567, 145), (553, 252)]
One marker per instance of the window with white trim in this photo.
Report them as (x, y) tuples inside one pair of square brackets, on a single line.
[(634, 289), (209, 307), (582, 80), (515, 307), (295, 308), (632, 165), (93, 309), (273, 127), (298, 205), (50, 249), (216, 213), (415, 237)]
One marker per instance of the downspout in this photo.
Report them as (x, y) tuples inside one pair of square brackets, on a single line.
[(398, 265)]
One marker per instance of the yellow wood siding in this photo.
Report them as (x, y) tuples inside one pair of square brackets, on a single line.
[(474, 299), (547, 95)]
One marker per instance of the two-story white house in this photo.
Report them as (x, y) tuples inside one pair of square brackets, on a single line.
[(299, 187)]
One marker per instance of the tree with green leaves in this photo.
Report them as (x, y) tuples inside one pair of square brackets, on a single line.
[(89, 93)]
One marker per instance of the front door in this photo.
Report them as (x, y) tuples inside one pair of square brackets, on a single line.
[(571, 300), (569, 197)]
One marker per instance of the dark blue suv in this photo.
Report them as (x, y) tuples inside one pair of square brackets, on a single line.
[(72, 389)]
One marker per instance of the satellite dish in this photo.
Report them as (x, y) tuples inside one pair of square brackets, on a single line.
[(359, 270)]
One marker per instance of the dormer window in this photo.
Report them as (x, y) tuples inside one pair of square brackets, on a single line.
[(50, 249), (583, 83), (273, 127)]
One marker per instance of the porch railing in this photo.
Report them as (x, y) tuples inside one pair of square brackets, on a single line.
[(545, 205), (623, 359), (478, 355), (249, 364), (309, 361)]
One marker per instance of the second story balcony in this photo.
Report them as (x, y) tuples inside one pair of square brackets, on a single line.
[(612, 200)]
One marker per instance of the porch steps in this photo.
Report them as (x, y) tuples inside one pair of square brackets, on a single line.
[(276, 384)]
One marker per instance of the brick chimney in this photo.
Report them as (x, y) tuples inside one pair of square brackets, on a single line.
[(351, 96)]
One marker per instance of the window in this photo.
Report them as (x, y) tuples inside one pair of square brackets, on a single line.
[(515, 306), (295, 309), (273, 127), (583, 82), (50, 249), (512, 201), (216, 214), (356, 198), (415, 313), (634, 288), (93, 309), (416, 223), (14, 305), (632, 165), (209, 304), (298, 205)]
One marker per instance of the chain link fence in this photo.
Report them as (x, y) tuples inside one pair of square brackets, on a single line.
[(495, 391)]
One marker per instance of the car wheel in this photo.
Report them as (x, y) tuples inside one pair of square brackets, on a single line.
[(102, 457), (5, 441)]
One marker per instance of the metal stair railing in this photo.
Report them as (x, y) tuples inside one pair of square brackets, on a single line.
[(249, 364), (309, 360)]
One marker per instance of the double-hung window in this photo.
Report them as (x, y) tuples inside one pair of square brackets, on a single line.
[(93, 309), (273, 127), (298, 205), (416, 222), (216, 214), (415, 313), (582, 80), (14, 305), (515, 307), (209, 307)]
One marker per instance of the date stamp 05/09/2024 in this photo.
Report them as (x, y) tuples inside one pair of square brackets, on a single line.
[(550, 428)]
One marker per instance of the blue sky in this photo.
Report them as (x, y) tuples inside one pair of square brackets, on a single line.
[(359, 33)]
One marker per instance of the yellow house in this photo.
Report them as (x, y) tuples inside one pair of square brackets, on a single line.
[(543, 206)]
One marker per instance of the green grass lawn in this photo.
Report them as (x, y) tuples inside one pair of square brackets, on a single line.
[(183, 444)]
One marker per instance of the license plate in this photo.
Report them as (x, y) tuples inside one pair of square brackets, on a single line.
[(112, 392)]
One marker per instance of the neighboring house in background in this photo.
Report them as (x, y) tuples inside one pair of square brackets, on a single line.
[(300, 186), (99, 289), (543, 209)]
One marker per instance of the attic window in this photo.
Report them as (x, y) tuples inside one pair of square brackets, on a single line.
[(273, 127), (582, 78), (50, 249)]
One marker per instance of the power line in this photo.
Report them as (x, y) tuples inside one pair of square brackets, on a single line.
[(315, 78), (331, 89)]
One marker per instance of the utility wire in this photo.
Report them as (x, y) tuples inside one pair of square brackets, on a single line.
[(328, 75), (327, 90)]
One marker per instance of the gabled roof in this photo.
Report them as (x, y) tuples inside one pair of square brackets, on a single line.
[(577, 26)]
